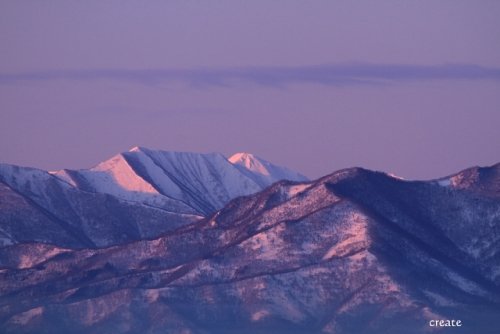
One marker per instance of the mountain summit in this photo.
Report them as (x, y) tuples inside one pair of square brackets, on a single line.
[(261, 171)]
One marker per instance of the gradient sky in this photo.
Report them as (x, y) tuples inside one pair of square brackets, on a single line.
[(411, 88)]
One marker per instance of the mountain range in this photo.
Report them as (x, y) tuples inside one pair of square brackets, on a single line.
[(133, 195), (162, 242)]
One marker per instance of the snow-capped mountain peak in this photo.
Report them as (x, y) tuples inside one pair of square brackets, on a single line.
[(152, 191), (135, 149), (178, 181), (250, 162)]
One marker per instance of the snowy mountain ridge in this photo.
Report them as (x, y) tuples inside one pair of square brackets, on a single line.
[(181, 187), (204, 182)]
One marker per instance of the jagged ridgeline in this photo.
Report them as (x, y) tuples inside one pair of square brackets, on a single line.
[(134, 195), (353, 252)]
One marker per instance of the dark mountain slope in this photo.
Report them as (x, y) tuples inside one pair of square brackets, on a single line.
[(354, 252)]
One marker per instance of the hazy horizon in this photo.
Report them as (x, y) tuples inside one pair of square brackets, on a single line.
[(406, 88)]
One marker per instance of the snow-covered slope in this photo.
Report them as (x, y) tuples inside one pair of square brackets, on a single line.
[(118, 177), (353, 252), (38, 206), (198, 182), (261, 171), (136, 194)]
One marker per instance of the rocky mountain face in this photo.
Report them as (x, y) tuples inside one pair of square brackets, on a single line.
[(135, 195), (353, 252)]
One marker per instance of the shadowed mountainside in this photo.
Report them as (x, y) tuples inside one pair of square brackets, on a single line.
[(353, 252)]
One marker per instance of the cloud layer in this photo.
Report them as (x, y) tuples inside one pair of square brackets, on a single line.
[(331, 75)]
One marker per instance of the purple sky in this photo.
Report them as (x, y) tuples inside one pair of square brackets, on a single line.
[(408, 88)]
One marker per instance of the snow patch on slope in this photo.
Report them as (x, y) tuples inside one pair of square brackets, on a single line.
[(116, 174), (356, 236), (25, 317), (267, 244), (446, 182)]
